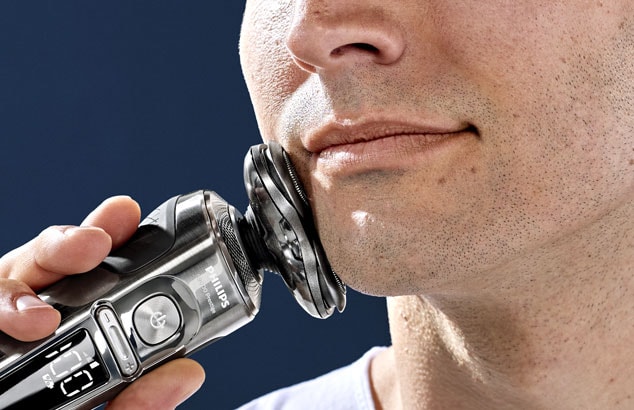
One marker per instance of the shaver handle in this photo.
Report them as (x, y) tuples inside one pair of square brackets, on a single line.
[(172, 289)]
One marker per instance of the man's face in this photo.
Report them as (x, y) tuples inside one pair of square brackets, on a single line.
[(440, 139)]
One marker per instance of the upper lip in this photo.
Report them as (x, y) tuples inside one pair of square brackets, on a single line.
[(351, 132)]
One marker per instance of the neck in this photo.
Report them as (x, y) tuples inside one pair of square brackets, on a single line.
[(553, 330)]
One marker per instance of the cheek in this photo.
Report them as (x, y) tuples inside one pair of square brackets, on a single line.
[(560, 78), (270, 74)]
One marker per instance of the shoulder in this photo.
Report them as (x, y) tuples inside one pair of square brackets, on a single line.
[(344, 388)]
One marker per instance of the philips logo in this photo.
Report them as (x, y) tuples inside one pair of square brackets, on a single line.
[(218, 287)]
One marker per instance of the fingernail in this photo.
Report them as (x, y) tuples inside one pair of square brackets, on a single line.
[(70, 229), (28, 302)]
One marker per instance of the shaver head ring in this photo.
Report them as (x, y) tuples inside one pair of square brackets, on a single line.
[(284, 220)]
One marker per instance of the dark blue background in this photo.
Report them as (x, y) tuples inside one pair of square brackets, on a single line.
[(146, 98)]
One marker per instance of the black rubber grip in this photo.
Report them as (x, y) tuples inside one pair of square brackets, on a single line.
[(154, 237)]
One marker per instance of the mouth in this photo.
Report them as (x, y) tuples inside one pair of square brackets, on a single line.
[(346, 148)]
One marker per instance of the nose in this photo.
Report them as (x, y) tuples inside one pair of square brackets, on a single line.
[(327, 34)]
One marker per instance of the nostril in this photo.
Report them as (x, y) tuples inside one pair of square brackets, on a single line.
[(365, 47), (354, 46), (341, 38)]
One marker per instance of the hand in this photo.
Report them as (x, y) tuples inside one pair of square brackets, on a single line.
[(65, 250)]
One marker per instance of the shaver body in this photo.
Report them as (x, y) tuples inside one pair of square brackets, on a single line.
[(191, 274)]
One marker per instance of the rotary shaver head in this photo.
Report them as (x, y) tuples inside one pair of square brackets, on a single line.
[(278, 226)]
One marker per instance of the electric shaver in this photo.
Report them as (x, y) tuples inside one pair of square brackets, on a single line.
[(190, 275)]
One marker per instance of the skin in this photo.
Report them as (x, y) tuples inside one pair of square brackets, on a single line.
[(493, 205), (506, 247)]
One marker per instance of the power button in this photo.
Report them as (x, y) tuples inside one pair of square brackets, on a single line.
[(157, 319)]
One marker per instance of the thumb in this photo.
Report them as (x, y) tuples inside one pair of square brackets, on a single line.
[(163, 388)]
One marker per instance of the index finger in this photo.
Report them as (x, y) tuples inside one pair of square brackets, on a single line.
[(63, 250)]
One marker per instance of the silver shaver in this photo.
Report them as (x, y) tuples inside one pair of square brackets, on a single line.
[(190, 275)]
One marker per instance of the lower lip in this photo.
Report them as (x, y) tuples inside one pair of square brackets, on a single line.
[(389, 153)]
